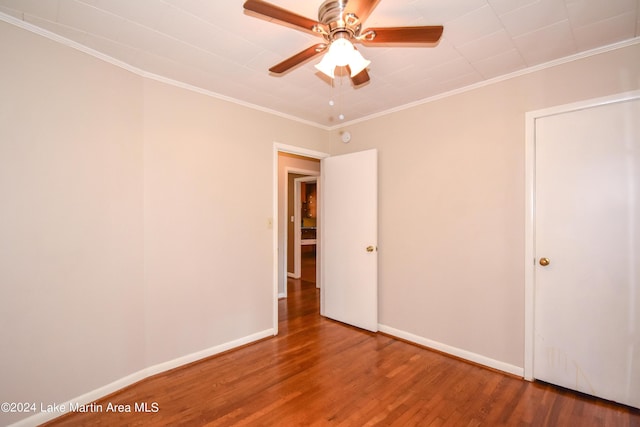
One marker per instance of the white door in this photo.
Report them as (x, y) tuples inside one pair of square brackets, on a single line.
[(587, 232), (349, 205)]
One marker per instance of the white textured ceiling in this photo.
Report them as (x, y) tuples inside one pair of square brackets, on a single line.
[(215, 46)]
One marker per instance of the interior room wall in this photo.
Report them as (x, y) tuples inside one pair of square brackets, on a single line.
[(451, 203), (134, 229), (71, 211), (208, 242)]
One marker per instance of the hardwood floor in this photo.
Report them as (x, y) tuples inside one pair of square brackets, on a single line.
[(318, 372)]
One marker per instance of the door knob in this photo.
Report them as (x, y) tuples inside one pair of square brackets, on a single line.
[(544, 262), (371, 248)]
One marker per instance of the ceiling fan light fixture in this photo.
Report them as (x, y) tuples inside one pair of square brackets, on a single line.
[(340, 24), (342, 53), (341, 50), (327, 66), (358, 63)]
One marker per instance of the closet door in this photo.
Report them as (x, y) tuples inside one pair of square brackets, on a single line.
[(587, 246)]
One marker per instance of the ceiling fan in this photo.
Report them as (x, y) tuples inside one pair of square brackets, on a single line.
[(340, 24)]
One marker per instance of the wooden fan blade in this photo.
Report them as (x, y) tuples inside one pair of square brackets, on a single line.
[(400, 35), (361, 78), (279, 14), (361, 8), (298, 58)]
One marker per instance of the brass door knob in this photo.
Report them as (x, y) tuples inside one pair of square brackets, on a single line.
[(371, 248), (544, 262)]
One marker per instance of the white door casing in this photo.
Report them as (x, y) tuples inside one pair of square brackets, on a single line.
[(582, 319), (349, 289)]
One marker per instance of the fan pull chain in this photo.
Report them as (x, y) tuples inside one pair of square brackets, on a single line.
[(341, 116), (332, 103)]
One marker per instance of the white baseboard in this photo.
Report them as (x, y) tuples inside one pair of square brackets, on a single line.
[(98, 393), (454, 351)]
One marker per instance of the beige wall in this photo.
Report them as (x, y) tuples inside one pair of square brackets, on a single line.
[(208, 246), (452, 197), (71, 212)]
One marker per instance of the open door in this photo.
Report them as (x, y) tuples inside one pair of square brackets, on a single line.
[(349, 234)]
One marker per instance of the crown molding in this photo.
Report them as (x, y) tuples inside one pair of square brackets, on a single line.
[(142, 73), (483, 83), (529, 70)]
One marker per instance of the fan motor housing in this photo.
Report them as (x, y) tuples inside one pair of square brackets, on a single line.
[(332, 14)]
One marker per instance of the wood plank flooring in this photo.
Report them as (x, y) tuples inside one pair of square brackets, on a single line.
[(318, 372)]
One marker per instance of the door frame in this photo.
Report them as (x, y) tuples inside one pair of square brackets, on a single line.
[(291, 149), (530, 169), (285, 220), (297, 225)]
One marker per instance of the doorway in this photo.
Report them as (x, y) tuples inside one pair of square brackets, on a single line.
[(295, 160), (347, 247), (305, 214)]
